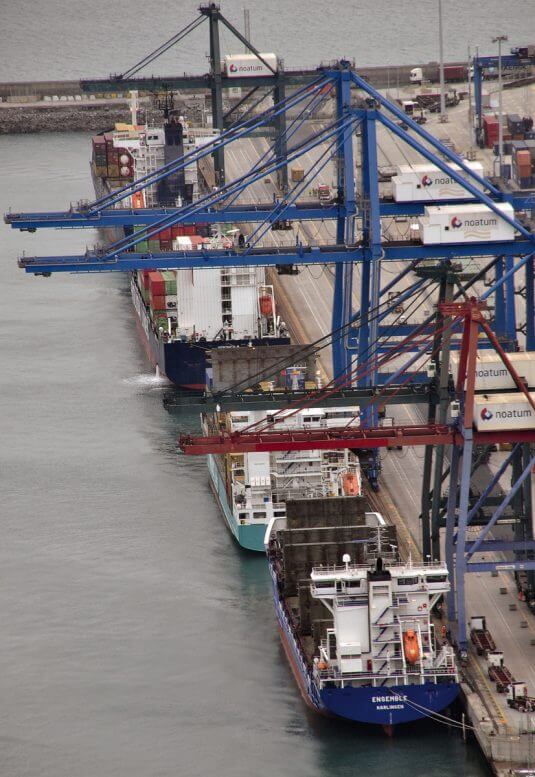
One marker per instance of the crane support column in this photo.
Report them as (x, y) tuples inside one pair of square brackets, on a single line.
[(530, 304), (510, 312), (499, 301), (281, 149), (345, 227), (217, 89), (371, 276), (371, 243)]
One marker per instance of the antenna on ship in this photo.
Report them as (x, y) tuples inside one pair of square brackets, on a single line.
[(346, 558)]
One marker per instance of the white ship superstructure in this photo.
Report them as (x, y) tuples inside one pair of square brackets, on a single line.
[(253, 488)]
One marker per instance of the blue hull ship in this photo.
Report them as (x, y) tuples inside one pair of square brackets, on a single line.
[(184, 363), (358, 649)]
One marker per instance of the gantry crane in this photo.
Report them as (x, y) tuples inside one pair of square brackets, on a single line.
[(355, 203)]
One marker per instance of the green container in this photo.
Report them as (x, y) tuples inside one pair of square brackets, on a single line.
[(154, 246), (170, 282), (141, 247)]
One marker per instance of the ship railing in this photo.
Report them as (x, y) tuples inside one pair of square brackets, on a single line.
[(344, 600), (334, 568), (334, 675), (297, 493)]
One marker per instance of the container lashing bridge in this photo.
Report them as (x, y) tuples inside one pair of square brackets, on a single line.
[(363, 343)]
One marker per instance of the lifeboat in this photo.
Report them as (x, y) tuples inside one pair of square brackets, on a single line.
[(138, 200), (266, 305), (410, 646), (350, 484)]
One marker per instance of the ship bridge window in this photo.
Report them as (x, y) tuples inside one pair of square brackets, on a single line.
[(259, 516), (324, 583), (240, 419), (407, 581), (352, 584), (312, 419), (436, 578)]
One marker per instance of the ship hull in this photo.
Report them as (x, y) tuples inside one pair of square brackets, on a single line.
[(249, 536), (184, 364), (382, 706)]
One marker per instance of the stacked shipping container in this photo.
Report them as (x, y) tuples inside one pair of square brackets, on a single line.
[(111, 162), (523, 163)]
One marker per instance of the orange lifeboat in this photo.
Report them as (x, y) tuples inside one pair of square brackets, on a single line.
[(266, 305), (350, 484), (410, 646), (138, 200)]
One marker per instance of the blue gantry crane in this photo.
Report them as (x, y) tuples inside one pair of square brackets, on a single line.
[(361, 113)]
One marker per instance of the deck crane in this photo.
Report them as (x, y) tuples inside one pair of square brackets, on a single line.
[(357, 212)]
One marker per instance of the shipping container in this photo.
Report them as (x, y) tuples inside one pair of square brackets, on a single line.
[(451, 73), (465, 224), (156, 284), (418, 183), (157, 302), (169, 277), (248, 65), (492, 374), (503, 412)]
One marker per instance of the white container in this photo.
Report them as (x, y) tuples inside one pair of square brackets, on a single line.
[(199, 301), (248, 65), (465, 224), (421, 183), (492, 374), (503, 412)]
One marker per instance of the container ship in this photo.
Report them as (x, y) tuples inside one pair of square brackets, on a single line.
[(253, 488), (183, 314), (355, 622)]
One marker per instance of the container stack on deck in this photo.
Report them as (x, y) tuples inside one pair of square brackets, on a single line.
[(110, 162)]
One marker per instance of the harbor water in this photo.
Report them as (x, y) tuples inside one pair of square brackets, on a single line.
[(107, 37), (137, 639)]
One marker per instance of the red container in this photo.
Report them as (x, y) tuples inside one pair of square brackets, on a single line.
[(157, 303), (165, 234), (166, 245), (189, 229), (156, 284), (523, 157), (177, 231), (145, 279)]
